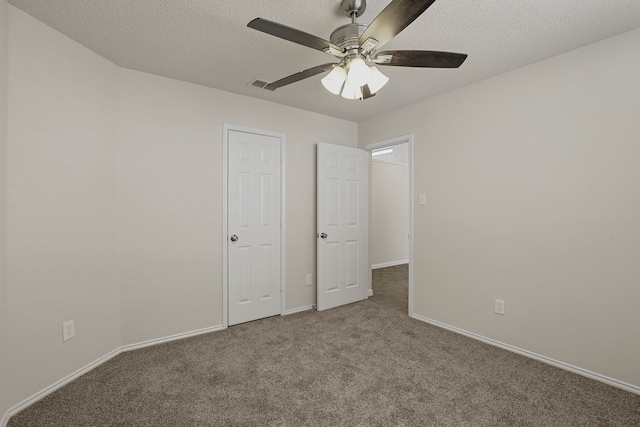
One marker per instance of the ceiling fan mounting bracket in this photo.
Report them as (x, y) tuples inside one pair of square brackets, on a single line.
[(335, 52), (369, 45), (383, 59)]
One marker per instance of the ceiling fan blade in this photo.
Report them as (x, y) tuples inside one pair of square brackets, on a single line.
[(296, 36), (393, 19), (366, 92), (300, 76), (420, 58)]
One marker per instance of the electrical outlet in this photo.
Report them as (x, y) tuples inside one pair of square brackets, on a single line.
[(423, 199), (309, 280), (499, 307), (68, 330)]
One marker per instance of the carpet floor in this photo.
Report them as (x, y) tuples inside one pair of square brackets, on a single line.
[(390, 287), (359, 365)]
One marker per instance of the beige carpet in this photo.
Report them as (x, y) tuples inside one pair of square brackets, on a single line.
[(358, 365), (390, 287)]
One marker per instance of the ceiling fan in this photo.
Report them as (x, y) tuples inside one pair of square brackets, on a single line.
[(357, 48)]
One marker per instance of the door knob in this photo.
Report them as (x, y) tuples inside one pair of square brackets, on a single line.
[(323, 235), (234, 238)]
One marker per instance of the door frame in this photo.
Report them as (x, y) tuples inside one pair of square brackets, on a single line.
[(226, 128), (386, 143)]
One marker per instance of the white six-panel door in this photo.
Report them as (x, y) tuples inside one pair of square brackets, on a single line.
[(342, 218), (253, 218)]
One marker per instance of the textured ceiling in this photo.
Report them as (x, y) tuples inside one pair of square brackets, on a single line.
[(207, 41)]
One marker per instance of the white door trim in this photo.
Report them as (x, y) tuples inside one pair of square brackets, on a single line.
[(386, 143), (226, 128)]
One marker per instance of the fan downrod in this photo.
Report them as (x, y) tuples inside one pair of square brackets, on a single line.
[(353, 8)]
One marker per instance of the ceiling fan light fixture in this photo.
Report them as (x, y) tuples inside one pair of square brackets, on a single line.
[(334, 80), (351, 92), (359, 72), (377, 80), (356, 46)]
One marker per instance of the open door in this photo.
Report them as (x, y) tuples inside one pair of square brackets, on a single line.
[(342, 218)]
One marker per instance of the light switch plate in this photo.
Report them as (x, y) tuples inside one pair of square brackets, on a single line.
[(423, 198), (68, 330)]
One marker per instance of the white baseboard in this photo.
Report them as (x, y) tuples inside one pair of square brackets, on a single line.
[(58, 384), (390, 264), (370, 293), (62, 382), (55, 386), (170, 338), (298, 310), (557, 363)]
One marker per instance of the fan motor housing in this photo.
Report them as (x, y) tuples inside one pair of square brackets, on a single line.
[(348, 36)]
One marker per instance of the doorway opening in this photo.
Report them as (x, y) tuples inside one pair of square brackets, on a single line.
[(391, 220)]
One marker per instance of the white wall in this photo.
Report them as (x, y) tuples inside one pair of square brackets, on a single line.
[(389, 213), (533, 196), (114, 203), (171, 199), (4, 32), (61, 206)]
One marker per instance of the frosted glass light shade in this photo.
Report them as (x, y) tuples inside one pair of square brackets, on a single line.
[(334, 80), (359, 72), (377, 80), (351, 92)]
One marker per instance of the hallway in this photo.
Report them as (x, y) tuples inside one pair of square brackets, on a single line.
[(391, 287)]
